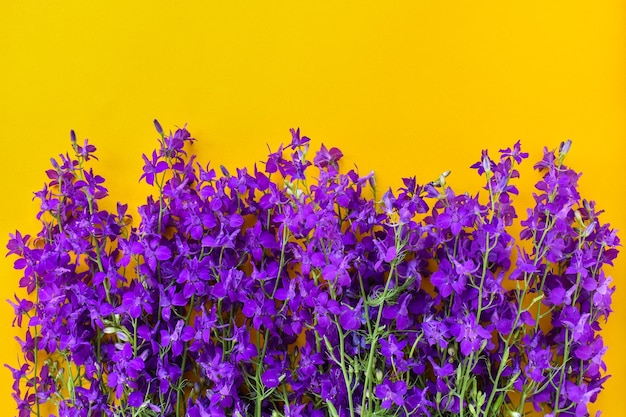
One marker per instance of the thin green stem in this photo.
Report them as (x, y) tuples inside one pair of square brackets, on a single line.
[(367, 388), (180, 404)]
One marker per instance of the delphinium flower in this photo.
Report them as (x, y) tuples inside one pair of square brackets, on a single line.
[(570, 246), (291, 289), (63, 270)]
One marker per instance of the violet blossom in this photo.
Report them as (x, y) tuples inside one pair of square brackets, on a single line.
[(294, 291)]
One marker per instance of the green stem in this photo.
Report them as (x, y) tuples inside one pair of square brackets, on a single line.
[(342, 363), (180, 404), (372, 353), (36, 351)]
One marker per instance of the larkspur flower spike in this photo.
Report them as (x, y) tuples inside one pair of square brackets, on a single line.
[(289, 290)]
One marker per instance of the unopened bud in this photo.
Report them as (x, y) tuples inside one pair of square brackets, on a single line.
[(442, 178), (122, 336), (158, 127), (578, 217), (371, 180), (564, 148), (486, 164)]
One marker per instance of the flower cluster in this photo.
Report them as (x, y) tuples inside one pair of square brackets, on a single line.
[(293, 289)]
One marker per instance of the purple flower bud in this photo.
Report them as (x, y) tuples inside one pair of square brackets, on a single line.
[(158, 127)]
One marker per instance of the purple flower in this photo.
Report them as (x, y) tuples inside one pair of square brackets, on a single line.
[(177, 338), (136, 300), (350, 318), (244, 349), (20, 307), (471, 336), (271, 378), (392, 348), (448, 280), (327, 158), (154, 252), (152, 167), (119, 378), (391, 393), (18, 244), (296, 139), (278, 289), (515, 153), (86, 151), (579, 395), (435, 331)]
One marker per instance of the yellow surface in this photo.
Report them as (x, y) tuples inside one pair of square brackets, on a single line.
[(415, 87)]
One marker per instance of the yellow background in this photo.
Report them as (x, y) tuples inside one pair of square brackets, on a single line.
[(409, 88)]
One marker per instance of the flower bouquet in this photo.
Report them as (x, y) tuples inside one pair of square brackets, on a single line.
[(296, 289)]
